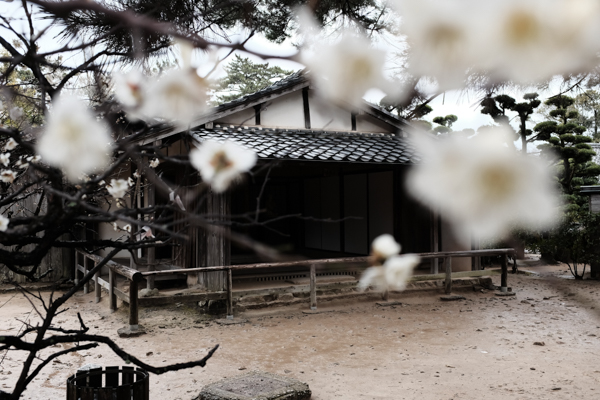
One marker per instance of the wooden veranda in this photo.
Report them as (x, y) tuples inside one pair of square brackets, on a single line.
[(85, 262)]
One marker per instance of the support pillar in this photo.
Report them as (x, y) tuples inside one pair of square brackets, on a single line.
[(217, 248), (435, 240)]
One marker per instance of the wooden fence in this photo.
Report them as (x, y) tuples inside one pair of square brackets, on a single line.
[(134, 276)]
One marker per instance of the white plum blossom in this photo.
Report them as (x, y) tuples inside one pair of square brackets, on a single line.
[(34, 159), (154, 163), (393, 275), (118, 188), (221, 163), (144, 233), (74, 140), (516, 40), (130, 181), (127, 228), (482, 186), (7, 176), (16, 114), (5, 159), (4, 223), (11, 144), (443, 38), (344, 71), (536, 39), (384, 246), (130, 88), (178, 95)]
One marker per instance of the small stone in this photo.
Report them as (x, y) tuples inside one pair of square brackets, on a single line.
[(148, 293), (539, 343), (148, 354), (533, 369)]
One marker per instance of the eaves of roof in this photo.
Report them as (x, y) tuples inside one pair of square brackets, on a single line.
[(311, 145)]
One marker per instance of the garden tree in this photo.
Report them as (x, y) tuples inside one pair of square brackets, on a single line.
[(246, 77), (497, 106), (567, 144), (413, 112), (575, 241), (21, 91), (274, 18), (588, 105), (445, 123)]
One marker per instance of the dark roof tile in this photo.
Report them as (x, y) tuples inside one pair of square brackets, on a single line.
[(315, 145)]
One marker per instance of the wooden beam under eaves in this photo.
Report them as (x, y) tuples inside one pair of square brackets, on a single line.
[(306, 108)]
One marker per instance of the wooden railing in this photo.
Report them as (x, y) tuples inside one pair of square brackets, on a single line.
[(134, 276)]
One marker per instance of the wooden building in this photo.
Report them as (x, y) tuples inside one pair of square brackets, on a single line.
[(328, 181)]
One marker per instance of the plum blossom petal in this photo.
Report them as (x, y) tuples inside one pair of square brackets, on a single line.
[(127, 228), (16, 114), (483, 187), (118, 188), (7, 176), (384, 246), (345, 70), (5, 159), (74, 140), (220, 164), (11, 144), (533, 40), (443, 38), (154, 163), (4, 223), (393, 275), (178, 95), (130, 88)]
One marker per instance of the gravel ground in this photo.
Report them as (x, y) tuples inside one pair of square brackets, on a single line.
[(540, 344)]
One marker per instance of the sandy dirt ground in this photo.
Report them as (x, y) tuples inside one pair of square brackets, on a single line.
[(483, 347)]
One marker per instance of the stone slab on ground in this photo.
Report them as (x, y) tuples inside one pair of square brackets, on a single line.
[(506, 294), (388, 303), (452, 297), (234, 321), (127, 332), (256, 385), (317, 311)]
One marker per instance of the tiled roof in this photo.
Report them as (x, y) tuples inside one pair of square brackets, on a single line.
[(297, 144)]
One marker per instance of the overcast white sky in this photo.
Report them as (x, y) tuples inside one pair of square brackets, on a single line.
[(461, 104)]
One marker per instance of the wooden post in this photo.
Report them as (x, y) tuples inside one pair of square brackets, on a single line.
[(229, 294), (86, 287), (313, 287), (76, 278), (97, 288), (217, 246), (475, 260), (448, 283), (504, 278), (385, 295), (435, 245), (112, 297), (133, 305), (151, 267), (151, 259)]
